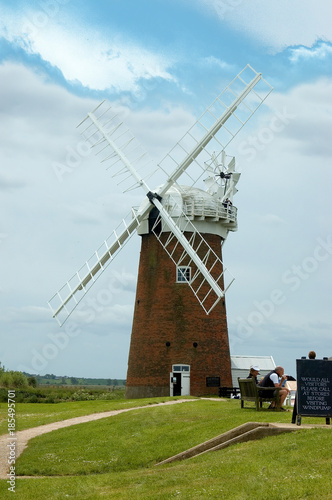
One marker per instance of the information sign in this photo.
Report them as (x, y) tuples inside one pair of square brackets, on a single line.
[(314, 388)]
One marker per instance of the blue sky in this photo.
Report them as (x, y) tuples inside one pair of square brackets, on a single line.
[(161, 63)]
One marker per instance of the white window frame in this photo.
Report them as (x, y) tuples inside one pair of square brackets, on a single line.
[(183, 274), (180, 368)]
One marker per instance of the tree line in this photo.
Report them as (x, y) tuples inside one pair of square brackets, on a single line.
[(16, 379), (12, 379)]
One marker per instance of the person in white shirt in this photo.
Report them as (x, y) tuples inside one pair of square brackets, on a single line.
[(274, 379)]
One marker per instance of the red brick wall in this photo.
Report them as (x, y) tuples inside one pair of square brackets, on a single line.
[(166, 311)]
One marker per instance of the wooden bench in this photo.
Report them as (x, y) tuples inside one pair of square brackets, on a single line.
[(228, 392), (249, 392)]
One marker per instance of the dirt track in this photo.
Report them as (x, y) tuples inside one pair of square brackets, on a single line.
[(21, 438)]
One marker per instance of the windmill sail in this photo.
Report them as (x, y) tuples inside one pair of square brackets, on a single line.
[(235, 105), (73, 291), (109, 137), (103, 130)]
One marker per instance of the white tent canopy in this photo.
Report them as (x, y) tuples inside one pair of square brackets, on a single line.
[(240, 366)]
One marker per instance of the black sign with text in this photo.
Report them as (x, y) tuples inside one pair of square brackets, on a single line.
[(212, 381), (314, 387)]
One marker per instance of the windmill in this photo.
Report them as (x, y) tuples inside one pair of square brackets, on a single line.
[(179, 341)]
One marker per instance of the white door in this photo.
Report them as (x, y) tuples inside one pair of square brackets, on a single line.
[(185, 389)]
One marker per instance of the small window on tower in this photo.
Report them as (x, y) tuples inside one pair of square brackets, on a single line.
[(183, 274)]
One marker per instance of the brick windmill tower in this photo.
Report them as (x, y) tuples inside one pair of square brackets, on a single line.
[(179, 342)]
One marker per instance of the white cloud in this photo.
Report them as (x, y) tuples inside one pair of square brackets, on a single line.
[(214, 61), (272, 220), (321, 51), (277, 24), (7, 182), (109, 319), (84, 55), (309, 109), (24, 315)]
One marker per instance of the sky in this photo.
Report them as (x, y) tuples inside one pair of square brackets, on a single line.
[(160, 64)]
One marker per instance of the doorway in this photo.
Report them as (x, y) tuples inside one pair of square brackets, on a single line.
[(180, 380)]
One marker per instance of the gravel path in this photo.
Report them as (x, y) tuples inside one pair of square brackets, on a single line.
[(20, 441)]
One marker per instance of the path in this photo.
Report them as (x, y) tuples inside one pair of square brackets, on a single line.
[(21, 438)]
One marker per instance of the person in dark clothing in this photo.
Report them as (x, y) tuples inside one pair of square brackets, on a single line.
[(311, 355), (254, 371), (272, 380)]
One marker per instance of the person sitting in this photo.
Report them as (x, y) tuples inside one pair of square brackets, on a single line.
[(254, 371), (272, 380)]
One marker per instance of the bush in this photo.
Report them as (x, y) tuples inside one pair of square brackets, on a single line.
[(32, 399), (3, 395), (5, 379), (50, 400), (13, 379), (19, 380), (32, 381), (82, 395), (117, 394)]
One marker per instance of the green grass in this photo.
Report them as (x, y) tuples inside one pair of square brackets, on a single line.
[(132, 440), (115, 457)]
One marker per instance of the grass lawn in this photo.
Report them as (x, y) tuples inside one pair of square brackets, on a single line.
[(115, 457)]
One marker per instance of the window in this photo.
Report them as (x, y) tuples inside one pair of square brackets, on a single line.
[(181, 368), (183, 274)]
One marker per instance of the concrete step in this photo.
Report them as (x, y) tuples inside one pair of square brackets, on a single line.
[(245, 432)]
